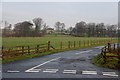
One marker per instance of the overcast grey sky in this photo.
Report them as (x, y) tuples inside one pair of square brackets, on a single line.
[(67, 12)]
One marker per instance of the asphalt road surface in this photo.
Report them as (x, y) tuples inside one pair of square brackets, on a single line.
[(68, 64)]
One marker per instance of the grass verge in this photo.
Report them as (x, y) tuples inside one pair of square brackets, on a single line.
[(32, 55), (111, 63)]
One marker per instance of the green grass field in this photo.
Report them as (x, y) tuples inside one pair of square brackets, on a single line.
[(55, 40)]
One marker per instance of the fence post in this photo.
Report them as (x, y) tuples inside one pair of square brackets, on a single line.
[(114, 47), (48, 45), (109, 47), (28, 49), (88, 42), (95, 42), (79, 43), (68, 44), (84, 43), (22, 50), (74, 44), (37, 49), (2, 52), (61, 45), (105, 55)]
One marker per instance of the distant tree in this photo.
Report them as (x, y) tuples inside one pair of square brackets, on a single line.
[(112, 30), (38, 25), (91, 29), (62, 27), (57, 26), (6, 31), (69, 30), (100, 30), (45, 28), (80, 28), (23, 29)]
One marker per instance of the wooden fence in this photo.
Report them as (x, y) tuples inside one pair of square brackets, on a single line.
[(40, 48), (23, 50), (110, 51), (86, 43)]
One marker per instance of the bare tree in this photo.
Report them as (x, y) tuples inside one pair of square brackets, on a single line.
[(45, 28), (62, 27), (38, 24), (91, 29), (57, 26), (23, 29), (80, 28), (6, 31)]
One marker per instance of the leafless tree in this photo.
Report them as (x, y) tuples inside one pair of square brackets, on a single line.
[(38, 24)]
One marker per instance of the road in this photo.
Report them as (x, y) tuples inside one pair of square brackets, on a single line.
[(68, 64)]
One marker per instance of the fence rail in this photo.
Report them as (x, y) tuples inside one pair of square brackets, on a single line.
[(9, 52), (111, 49), (23, 50)]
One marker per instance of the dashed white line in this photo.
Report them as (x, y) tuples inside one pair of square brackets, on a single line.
[(110, 74), (41, 64), (51, 70), (69, 71), (84, 52), (33, 70), (13, 71), (89, 72)]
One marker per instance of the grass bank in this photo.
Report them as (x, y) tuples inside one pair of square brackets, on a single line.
[(111, 63)]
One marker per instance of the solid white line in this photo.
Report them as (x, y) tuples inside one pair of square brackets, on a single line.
[(84, 52), (42, 64), (89, 72), (13, 71)]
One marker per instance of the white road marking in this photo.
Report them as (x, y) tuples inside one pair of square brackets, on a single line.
[(89, 72), (41, 64), (69, 71), (13, 71), (110, 74), (51, 70), (33, 70), (99, 47), (84, 52)]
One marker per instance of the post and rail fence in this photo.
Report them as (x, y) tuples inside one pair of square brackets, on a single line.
[(9, 52), (110, 51)]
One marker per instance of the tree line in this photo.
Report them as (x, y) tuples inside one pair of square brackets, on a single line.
[(37, 27)]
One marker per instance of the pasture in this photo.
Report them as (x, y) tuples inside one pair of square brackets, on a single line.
[(55, 40), (68, 43)]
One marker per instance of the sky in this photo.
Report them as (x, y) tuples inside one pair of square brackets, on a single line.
[(66, 12)]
